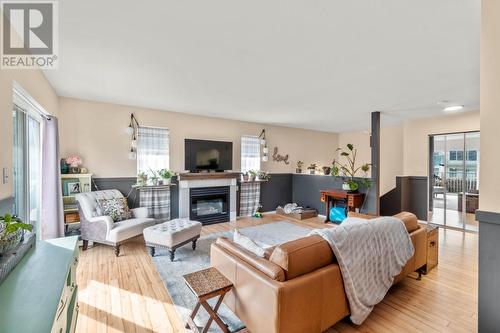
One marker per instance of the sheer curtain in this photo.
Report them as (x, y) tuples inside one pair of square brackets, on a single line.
[(250, 153), (152, 149)]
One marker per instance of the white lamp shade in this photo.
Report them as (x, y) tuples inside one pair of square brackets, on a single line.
[(132, 155), (265, 158), (265, 150), (133, 143), (263, 142), (130, 130)]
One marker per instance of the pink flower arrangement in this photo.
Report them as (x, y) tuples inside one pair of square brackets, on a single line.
[(74, 160)]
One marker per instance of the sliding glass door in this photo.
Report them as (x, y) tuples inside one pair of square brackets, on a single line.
[(26, 163), (454, 181)]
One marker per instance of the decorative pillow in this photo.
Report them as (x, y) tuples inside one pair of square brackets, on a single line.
[(248, 244), (116, 208)]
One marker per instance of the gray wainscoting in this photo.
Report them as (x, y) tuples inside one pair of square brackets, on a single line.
[(276, 192), (6, 205), (306, 191), (489, 271), (409, 195), (282, 188)]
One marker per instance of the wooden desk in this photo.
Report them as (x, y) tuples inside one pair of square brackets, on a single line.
[(352, 200)]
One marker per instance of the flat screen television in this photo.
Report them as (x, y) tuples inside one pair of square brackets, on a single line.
[(205, 155)]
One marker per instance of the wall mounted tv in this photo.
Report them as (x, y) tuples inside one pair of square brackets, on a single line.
[(205, 155)]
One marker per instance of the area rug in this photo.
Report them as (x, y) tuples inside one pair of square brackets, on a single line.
[(187, 261)]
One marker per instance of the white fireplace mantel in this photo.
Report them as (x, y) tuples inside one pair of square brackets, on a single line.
[(186, 184)]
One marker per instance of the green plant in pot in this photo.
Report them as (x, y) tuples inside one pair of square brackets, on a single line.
[(252, 174), (11, 232), (300, 164), (166, 176), (312, 168), (244, 176), (154, 178), (142, 179), (348, 169)]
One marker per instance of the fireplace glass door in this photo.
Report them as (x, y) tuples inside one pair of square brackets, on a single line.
[(209, 205)]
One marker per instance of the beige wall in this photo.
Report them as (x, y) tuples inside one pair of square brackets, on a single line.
[(490, 106), (96, 131), (416, 138), (34, 82), (391, 153)]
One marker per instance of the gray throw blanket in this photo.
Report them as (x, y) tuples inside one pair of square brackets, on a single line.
[(370, 254)]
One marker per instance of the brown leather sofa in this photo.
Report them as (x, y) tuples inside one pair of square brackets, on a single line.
[(299, 287)]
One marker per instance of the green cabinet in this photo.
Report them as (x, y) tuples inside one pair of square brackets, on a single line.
[(40, 294)]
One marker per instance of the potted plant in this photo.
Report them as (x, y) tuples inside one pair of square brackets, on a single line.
[(166, 176), (252, 175), (155, 178), (312, 168), (11, 232), (349, 170), (142, 179), (300, 164), (263, 175), (326, 170), (74, 161), (244, 176)]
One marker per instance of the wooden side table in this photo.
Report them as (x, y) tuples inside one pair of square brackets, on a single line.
[(432, 248), (206, 284)]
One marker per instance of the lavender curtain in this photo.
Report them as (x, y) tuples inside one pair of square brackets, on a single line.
[(52, 223)]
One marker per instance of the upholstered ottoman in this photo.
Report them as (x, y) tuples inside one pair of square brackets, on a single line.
[(171, 235)]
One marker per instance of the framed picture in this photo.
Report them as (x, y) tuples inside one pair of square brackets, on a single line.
[(65, 182), (73, 188)]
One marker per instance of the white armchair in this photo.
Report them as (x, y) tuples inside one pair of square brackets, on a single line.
[(102, 229)]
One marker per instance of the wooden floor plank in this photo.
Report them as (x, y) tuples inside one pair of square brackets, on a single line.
[(126, 294)]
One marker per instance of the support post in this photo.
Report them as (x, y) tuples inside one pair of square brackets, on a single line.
[(375, 148)]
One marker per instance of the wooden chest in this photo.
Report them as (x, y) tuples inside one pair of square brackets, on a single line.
[(432, 248)]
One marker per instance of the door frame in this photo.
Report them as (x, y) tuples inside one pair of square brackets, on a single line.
[(430, 173)]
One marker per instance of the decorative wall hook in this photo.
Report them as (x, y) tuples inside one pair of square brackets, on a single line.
[(280, 158)]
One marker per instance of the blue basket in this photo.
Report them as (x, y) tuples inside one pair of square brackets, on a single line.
[(338, 214)]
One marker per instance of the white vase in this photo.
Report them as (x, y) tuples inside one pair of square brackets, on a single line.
[(346, 187)]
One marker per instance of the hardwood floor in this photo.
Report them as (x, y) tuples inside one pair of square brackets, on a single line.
[(126, 294)]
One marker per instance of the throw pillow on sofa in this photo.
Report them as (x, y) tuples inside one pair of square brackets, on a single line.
[(248, 244), (116, 208)]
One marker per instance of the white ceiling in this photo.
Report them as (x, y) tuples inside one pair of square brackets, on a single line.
[(321, 65)]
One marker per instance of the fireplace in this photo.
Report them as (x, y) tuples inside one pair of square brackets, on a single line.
[(209, 205)]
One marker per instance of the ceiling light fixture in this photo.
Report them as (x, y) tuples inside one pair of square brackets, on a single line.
[(451, 108)]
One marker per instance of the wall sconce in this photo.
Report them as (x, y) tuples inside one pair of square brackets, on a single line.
[(265, 150), (132, 131)]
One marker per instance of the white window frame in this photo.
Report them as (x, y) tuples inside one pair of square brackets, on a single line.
[(250, 153)]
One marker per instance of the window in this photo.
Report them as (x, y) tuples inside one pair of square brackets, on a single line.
[(456, 155), (472, 155), (250, 153), (26, 157), (152, 149)]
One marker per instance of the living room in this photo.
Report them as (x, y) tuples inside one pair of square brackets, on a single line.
[(245, 177)]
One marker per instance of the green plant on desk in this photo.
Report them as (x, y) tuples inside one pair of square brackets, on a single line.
[(348, 169)]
